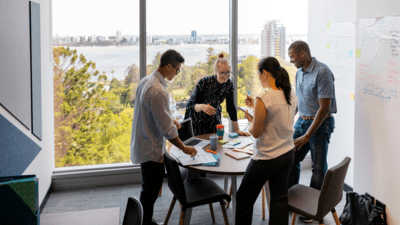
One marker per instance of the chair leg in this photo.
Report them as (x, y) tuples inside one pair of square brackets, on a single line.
[(212, 212), (159, 193), (224, 212), (230, 194), (294, 218), (182, 218), (170, 210), (335, 216), (263, 202), (321, 222)]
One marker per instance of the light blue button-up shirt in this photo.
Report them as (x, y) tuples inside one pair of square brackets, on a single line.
[(152, 121), (312, 84)]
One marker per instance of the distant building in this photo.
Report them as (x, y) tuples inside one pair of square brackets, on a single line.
[(273, 39), (118, 36), (193, 36), (149, 39)]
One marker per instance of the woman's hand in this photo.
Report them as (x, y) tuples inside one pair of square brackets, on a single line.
[(242, 133), (249, 118), (249, 101), (208, 109)]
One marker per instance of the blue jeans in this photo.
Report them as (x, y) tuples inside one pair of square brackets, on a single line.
[(318, 145)]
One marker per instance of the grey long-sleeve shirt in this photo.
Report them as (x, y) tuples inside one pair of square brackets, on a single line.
[(152, 121)]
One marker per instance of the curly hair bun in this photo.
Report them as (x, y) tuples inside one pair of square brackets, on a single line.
[(221, 55)]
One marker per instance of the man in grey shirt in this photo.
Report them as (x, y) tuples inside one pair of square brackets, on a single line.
[(152, 124)]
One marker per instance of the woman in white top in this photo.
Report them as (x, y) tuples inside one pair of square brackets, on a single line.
[(273, 153)]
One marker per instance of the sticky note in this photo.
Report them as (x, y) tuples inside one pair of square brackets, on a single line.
[(358, 52), (350, 53), (328, 26), (351, 96), (328, 46)]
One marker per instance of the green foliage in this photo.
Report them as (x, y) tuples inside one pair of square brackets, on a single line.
[(93, 125)]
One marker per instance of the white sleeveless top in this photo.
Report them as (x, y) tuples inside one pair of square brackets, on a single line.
[(277, 136)]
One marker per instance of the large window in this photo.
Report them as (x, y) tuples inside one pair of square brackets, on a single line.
[(96, 72), (266, 29), (199, 30), (96, 62)]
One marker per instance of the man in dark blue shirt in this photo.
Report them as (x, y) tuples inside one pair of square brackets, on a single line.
[(315, 90)]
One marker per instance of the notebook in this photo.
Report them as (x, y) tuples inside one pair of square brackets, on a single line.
[(237, 155)]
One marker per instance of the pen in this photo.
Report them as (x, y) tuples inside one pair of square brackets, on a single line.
[(236, 143)]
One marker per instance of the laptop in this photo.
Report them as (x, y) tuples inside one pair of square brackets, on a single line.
[(187, 136)]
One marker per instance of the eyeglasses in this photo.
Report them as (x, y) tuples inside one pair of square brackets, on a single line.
[(177, 70), (225, 74)]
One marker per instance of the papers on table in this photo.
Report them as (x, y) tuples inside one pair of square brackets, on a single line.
[(200, 158), (202, 144), (244, 142)]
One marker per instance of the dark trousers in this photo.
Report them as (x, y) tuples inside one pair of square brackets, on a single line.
[(318, 145), (257, 173), (152, 178)]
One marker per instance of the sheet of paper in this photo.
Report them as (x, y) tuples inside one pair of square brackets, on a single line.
[(244, 142), (202, 144), (186, 160)]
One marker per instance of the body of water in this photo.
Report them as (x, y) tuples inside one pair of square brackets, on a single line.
[(118, 58)]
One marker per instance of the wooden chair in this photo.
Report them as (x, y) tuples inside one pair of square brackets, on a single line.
[(315, 204), (192, 193)]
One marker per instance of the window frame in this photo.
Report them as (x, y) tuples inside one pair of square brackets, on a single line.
[(101, 174)]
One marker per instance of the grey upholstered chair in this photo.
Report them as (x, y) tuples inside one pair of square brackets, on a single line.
[(133, 213), (192, 193), (315, 204)]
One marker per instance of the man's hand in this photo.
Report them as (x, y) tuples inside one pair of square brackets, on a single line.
[(177, 124), (241, 133), (300, 142), (190, 151), (249, 101), (209, 110)]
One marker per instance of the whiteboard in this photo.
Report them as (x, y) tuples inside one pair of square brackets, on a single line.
[(377, 70), (341, 51)]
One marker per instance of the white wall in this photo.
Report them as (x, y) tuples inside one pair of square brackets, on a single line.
[(43, 164), (320, 12), (376, 152)]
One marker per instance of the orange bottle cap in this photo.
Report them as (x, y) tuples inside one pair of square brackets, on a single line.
[(220, 126)]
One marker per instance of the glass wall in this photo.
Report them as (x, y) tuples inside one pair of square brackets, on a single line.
[(96, 62), (199, 30), (267, 29), (96, 72)]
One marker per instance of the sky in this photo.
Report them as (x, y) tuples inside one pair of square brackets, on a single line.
[(174, 17)]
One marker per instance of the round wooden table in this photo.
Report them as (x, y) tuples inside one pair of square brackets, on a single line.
[(228, 167)]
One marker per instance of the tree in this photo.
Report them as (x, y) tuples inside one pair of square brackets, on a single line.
[(79, 97)]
